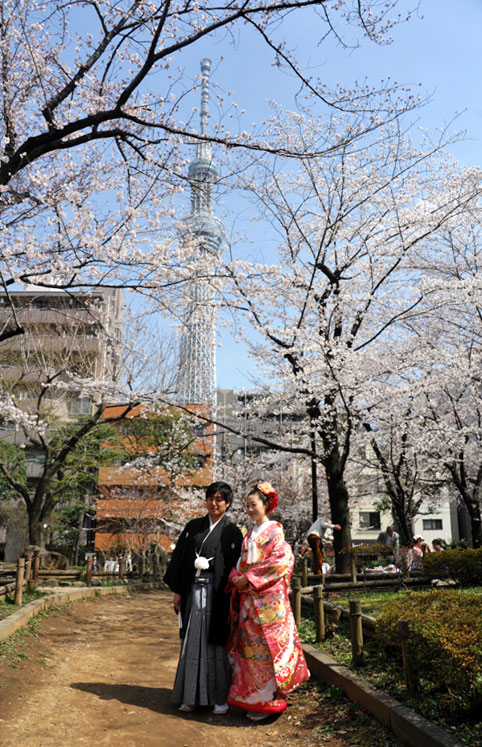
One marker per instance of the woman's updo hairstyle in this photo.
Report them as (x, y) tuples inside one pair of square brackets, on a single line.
[(267, 494)]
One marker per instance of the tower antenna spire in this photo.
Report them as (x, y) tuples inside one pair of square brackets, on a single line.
[(205, 72), (197, 367)]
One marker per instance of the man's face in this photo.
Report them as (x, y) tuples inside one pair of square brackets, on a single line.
[(216, 506)]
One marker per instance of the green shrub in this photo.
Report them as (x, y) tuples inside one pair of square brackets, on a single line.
[(463, 566), (362, 551), (445, 643)]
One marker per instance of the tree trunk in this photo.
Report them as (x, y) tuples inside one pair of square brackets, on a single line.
[(35, 529), (403, 522), (36, 520), (75, 549), (473, 507), (314, 477), (338, 495)]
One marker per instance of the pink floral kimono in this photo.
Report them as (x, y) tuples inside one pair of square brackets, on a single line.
[(264, 648)]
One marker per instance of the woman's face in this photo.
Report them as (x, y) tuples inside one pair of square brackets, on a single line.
[(255, 508), (216, 506)]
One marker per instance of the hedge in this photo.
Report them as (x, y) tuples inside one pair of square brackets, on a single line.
[(445, 643), (462, 566)]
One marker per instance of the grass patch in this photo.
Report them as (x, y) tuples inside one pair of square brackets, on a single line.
[(13, 649), (372, 602), (7, 607)]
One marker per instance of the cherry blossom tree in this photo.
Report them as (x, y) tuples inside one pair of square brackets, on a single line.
[(450, 382), (411, 483), (422, 414), (331, 307)]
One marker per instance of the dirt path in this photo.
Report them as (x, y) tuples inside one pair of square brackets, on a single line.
[(100, 673)]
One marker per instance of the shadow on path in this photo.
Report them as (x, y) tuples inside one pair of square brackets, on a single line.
[(158, 699)]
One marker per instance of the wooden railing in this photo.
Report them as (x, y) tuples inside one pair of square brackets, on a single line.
[(360, 625), (29, 575)]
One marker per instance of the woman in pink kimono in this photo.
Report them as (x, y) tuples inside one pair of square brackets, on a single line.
[(264, 648)]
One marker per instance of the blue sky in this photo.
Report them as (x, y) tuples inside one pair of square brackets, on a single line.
[(438, 52)]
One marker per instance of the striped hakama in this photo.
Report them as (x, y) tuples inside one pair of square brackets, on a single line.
[(203, 674)]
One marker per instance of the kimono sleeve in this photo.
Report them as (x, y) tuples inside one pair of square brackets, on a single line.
[(174, 576), (275, 562)]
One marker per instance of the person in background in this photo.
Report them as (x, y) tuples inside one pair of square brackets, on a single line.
[(437, 545), (109, 565), (263, 647), (128, 562), (390, 538), (416, 557), (315, 536), (198, 571)]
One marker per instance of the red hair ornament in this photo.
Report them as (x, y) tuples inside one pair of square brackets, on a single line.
[(267, 489)]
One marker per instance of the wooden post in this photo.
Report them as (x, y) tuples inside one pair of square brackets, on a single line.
[(141, 567), (296, 585), (319, 613), (36, 567), (353, 568), (356, 632), (19, 581), (88, 571), (404, 632), (304, 571), (28, 568), (121, 568)]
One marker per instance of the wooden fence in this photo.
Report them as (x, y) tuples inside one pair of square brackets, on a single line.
[(29, 575), (360, 580), (360, 625)]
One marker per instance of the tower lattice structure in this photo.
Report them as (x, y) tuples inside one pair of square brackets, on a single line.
[(197, 366)]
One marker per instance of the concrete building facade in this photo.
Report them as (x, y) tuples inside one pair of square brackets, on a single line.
[(64, 333)]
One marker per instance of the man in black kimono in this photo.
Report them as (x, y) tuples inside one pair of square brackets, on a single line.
[(207, 550)]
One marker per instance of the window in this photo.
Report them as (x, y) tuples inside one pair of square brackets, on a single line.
[(369, 519), (432, 524), (34, 457), (80, 406)]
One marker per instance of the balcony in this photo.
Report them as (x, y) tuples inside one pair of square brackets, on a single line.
[(45, 344)]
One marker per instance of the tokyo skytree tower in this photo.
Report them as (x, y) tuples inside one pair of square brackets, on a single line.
[(196, 382)]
